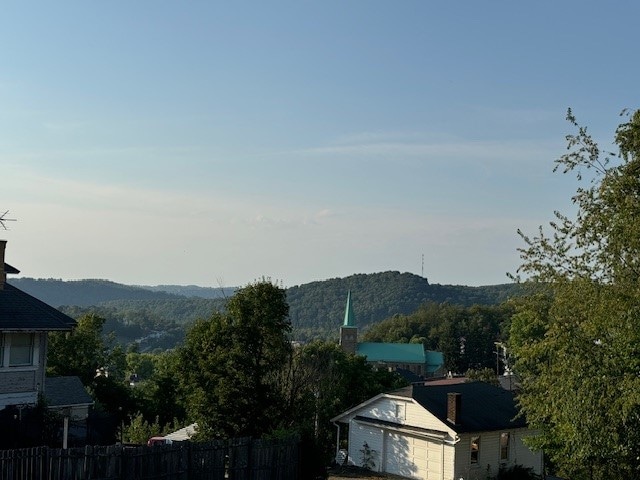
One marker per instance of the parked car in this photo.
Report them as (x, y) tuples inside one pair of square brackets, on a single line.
[(159, 441)]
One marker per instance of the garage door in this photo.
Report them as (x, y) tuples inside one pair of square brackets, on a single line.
[(412, 457)]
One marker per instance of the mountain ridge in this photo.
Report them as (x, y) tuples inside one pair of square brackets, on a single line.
[(316, 308)]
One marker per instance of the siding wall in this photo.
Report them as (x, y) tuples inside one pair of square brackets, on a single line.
[(489, 454), (439, 455), (21, 385), (455, 451), (358, 435)]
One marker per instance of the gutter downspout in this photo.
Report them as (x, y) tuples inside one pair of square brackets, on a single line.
[(338, 441)]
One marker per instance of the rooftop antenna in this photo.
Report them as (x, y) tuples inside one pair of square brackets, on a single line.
[(3, 219), (423, 265)]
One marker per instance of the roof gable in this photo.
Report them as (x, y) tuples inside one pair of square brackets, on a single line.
[(392, 352), (65, 392), (21, 311), (483, 406)]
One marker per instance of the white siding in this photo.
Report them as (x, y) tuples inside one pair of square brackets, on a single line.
[(489, 455), (359, 435), (522, 455), (422, 455), (413, 414), (414, 457)]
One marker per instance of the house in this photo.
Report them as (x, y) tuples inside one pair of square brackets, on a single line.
[(25, 322), (67, 396), (445, 432), (410, 357)]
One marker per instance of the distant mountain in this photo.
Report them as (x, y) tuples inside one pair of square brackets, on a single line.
[(85, 293), (316, 309), (193, 290)]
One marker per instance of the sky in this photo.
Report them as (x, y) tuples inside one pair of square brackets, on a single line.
[(217, 143)]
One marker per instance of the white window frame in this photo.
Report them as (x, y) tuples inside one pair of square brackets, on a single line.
[(6, 361)]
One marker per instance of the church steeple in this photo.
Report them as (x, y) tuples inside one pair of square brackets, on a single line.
[(349, 317), (348, 330)]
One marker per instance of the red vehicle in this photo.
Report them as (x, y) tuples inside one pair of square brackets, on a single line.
[(159, 441)]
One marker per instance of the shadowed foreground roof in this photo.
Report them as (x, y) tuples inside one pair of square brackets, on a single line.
[(65, 392), (483, 406), (21, 311)]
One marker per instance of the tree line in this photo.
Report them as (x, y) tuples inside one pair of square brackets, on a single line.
[(315, 309), (237, 374)]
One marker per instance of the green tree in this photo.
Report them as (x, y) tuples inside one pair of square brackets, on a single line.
[(232, 363), (324, 381), (577, 344), (83, 351)]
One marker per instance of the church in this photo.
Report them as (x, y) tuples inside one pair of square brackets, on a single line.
[(411, 357)]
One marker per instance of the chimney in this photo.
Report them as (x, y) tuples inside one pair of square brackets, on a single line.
[(454, 404), (3, 274)]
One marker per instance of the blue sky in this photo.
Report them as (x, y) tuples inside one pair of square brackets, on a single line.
[(214, 143)]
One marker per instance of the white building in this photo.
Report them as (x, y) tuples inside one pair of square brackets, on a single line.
[(445, 432)]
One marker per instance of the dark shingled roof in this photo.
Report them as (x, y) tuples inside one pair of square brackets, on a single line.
[(65, 392), (21, 311), (9, 269), (484, 408)]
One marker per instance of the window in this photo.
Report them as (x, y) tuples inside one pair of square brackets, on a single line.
[(475, 450), (21, 349), (1, 350), (400, 409), (504, 446)]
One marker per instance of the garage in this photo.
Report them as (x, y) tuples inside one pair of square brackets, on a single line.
[(411, 456)]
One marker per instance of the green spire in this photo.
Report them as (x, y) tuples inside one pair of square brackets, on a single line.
[(349, 317)]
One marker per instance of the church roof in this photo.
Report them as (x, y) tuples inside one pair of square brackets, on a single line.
[(392, 352), (434, 360)]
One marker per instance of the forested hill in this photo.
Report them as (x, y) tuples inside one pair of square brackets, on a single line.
[(316, 309), (85, 293)]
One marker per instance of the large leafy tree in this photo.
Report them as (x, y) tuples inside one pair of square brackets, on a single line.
[(577, 343), (232, 364), (83, 351)]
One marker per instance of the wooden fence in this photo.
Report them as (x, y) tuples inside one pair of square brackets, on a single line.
[(237, 459)]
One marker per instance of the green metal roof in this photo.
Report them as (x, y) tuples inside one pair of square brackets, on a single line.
[(434, 360), (349, 317), (392, 352)]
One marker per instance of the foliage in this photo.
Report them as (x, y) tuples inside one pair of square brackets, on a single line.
[(486, 375), (516, 472), (324, 381), (138, 430), (158, 394), (576, 346), (465, 335), (83, 351), (231, 364), (316, 309), (368, 456)]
